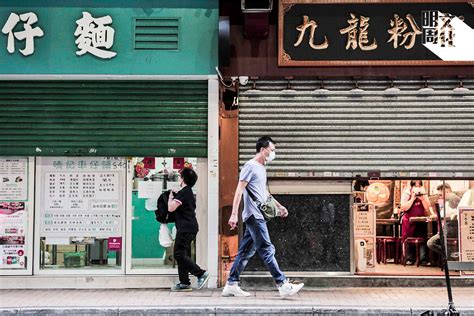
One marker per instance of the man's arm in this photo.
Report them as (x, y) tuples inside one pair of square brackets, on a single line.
[(234, 217)]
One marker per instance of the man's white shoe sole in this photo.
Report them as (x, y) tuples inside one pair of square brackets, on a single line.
[(224, 294), (300, 286)]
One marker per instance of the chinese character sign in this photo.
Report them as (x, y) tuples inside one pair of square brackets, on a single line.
[(93, 34), (28, 33), (313, 25), (318, 33), (399, 28), (361, 39)]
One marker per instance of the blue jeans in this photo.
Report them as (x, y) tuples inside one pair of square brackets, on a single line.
[(256, 239)]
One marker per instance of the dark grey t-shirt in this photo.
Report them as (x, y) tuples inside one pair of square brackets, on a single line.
[(255, 174)]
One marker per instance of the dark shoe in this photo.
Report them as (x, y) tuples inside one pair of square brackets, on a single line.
[(410, 263), (181, 288), (203, 280), (426, 264)]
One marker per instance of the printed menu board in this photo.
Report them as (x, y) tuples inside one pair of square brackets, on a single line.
[(364, 229), (82, 197), (13, 212), (466, 236), (13, 178), (364, 220)]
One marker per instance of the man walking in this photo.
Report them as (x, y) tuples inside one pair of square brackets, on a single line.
[(253, 178)]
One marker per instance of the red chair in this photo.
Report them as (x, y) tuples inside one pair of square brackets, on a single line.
[(418, 242), (388, 247)]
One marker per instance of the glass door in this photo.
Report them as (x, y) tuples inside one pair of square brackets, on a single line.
[(148, 178)]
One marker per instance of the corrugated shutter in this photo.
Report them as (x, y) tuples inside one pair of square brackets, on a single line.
[(414, 132), (107, 118)]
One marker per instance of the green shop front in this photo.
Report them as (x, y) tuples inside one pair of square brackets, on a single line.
[(101, 105)]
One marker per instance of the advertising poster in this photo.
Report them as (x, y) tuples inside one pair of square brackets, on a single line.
[(13, 212), (12, 252), (81, 197), (466, 236), (13, 176)]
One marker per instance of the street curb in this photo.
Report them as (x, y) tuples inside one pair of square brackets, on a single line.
[(223, 310)]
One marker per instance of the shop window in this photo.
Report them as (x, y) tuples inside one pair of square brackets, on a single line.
[(396, 225), (80, 212)]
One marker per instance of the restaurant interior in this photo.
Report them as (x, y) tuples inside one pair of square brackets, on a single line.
[(396, 225)]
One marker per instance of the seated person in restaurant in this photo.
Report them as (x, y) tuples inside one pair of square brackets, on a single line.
[(414, 203), (451, 204)]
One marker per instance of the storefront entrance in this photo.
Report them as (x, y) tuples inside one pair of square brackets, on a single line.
[(339, 130), (395, 235)]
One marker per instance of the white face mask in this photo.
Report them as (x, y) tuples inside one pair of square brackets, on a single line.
[(270, 157)]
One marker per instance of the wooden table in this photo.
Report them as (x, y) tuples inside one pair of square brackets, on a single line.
[(429, 220), (393, 223)]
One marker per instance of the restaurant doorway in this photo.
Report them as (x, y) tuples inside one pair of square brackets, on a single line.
[(396, 227)]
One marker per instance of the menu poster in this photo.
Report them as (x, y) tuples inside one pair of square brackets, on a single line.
[(13, 179), (82, 197), (364, 219), (466, 236)]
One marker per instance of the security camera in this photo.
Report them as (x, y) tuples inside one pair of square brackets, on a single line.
[(243, 80)]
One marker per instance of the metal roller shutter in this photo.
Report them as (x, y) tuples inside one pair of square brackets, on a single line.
[(343, 132), (103, 118)]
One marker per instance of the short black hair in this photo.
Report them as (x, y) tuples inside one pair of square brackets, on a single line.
[(264, 142), (189, 176), (443, 186), (360, 183), (413, 182)]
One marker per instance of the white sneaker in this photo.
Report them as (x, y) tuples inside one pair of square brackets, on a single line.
[(288, 289), (234, 290)]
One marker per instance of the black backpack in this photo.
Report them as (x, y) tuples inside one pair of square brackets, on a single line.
[(161, 213)]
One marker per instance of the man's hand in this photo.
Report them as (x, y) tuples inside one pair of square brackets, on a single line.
[(283, 211), (233, 220)]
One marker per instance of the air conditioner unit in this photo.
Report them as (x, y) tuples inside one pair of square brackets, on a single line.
[(256, 17)]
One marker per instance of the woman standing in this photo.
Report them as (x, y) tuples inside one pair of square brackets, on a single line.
[(184, 204), (414, 203)]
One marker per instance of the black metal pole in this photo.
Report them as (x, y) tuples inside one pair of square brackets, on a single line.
[(451, 309)]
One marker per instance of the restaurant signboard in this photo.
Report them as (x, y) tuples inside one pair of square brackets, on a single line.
[(384, 32)]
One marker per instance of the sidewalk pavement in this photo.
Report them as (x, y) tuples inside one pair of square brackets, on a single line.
[(310, 301)]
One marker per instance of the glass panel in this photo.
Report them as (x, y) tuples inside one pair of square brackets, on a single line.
[(153, 176), (15, 210), (81, 209), (405, 211)]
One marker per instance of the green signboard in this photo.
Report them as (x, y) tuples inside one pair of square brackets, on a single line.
[(108, 37)]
